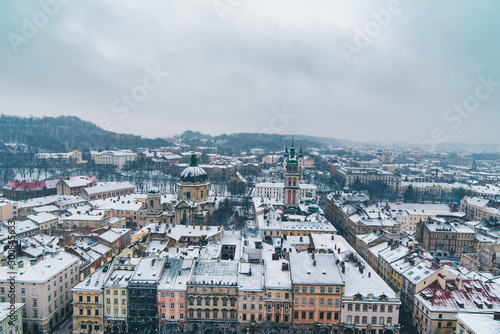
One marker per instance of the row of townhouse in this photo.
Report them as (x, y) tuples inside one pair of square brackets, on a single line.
[(332, 290), (431, 295), (479, 208), (354, 214)]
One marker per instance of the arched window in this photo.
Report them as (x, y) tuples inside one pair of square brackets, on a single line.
[(152, 205)]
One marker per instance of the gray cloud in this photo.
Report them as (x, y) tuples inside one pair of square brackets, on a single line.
[(228, 75)]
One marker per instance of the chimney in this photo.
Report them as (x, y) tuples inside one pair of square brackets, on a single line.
[(361, 268), (369, 274), (250, 272), (284, 266), (20, 264), (338, 250), (314, 263), (343, 269), (153, 262), (313, 256), (496, 316), (333, 237)]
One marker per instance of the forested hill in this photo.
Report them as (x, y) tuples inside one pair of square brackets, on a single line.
[(65, 133)]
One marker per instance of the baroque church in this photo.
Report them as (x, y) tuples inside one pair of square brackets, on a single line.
[(193, 204)]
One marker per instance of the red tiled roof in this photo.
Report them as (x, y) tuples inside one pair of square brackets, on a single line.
[(472, 297), (32, 185)]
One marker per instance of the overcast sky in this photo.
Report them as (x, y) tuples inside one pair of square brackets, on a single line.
[(380, 71)]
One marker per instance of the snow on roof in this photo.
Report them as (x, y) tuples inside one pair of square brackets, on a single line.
[(175, 276), (359, 282), (42, 217), (275, 276), (95, 281), (79, 181), (119, 278), (131, 202), (421, 271), (472, 296), (104, 187), (42, 271), (148, 270), (113, 234), (479, 322), (251, 277), (178, 231), (215, 272), (323, 270), (5, 310), (391, 255), (375, 250)]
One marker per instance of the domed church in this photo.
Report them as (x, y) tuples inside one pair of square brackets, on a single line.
[(194, 204)]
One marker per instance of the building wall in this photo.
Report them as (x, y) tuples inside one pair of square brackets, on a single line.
[(87, 312), (317, 304), (172, 306)]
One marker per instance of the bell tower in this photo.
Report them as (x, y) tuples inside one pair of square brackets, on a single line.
[(292, 177)]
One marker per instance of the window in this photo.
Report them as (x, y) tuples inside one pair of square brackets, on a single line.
[(96, 299), (357, 307), (389, 320), (381, 320), (382, 308), (374, 308), (337, 290), (364, 320), (322, 289), (356, 319), (311, 315), (172, 295), (304, 302), (349, 319), (349, 307), (322, 302), (374, 320), (365, 308), (311, 290), (389, 308), (162, 305), (330, 290), (311, 302), (23, 291), (181, 306), (304, 290), (80, 298), (296, 302)]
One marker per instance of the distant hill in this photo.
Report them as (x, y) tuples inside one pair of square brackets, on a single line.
[(65, 133)]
